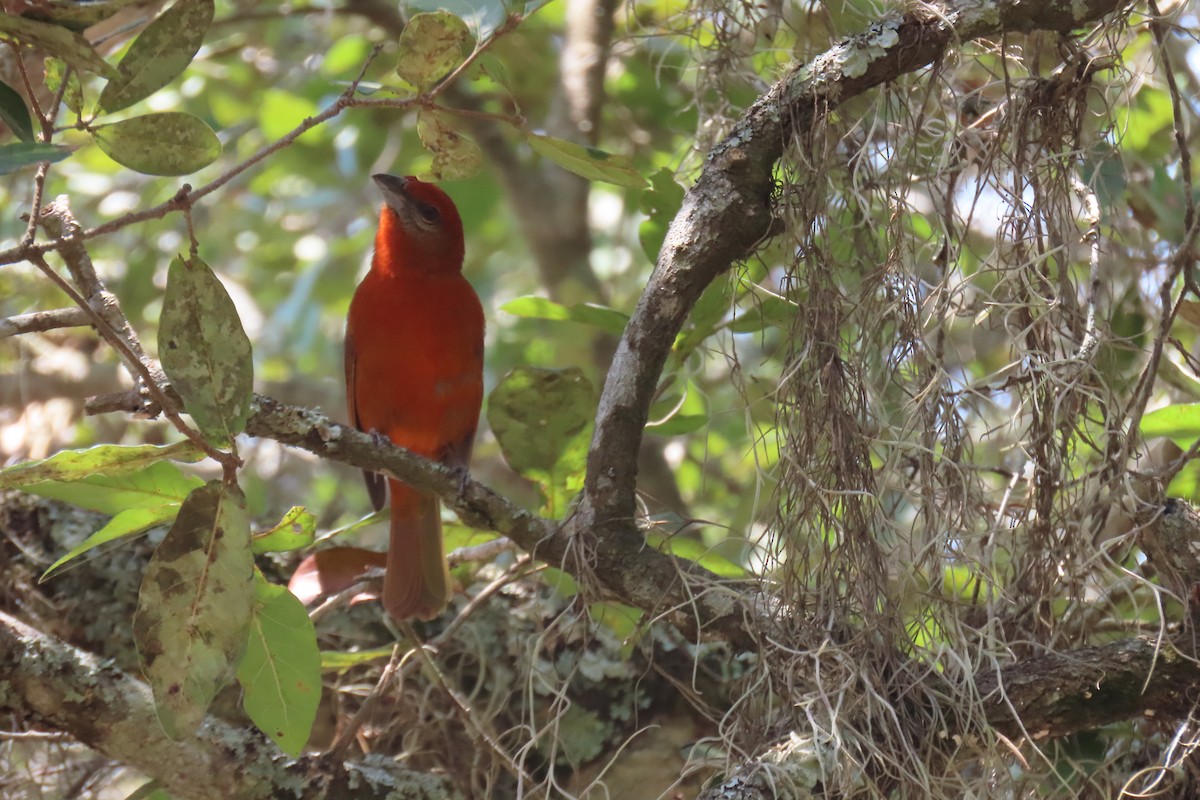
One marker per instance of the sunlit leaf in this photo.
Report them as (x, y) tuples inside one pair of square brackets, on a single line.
[(171, 143), (205, 351), (431, 45), (345, 659), (157, 485), (1180, 423), (596, 316), (692, 550), (56, 68), (297, 529), (194, 608), (105, 459), (158, 55), (587, 162), (280, 673), (454, 155), (129, 522)]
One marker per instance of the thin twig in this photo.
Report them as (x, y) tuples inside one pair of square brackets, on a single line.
[(40, 321)]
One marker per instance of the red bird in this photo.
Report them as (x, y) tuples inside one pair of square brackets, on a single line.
[(414, 373)]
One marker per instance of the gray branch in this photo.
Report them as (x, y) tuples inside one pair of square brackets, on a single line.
[(103, 707), (39, 321)]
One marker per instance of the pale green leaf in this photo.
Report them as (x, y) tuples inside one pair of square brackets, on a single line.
[(194, 608)]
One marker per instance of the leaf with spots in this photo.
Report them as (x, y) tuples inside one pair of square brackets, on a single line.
[(170, 143), (159, 54), (454, 155), (431, 45), (281, 671), (542, 420), (194, 608), (204, 350)]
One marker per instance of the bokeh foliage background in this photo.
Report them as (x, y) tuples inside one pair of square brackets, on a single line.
[(913, 333)]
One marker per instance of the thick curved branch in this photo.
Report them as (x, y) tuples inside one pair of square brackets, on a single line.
[(103, 707), (727, 213)]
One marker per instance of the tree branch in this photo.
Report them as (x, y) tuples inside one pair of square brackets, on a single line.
[(727, 213), (43, 321), (113, 713)]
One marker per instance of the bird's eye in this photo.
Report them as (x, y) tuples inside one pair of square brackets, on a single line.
[(429, 213)]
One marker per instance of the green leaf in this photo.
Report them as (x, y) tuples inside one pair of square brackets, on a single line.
[(297, 529), (158, 55), (56, 68), (157, 485), (129, 522), (621, 619), (431, 45), (58, 41), (602, 317), (660, 203), (204, 350), (454, 155), (194, 609), (542, 419), (345, 659), (15, 156), (281, 671), (171, 143), (279, 112), (14, 113), (105, 459), (1179, 423), (587, 162), (77, 15), (692, 550), (707, 314), (765, 311)]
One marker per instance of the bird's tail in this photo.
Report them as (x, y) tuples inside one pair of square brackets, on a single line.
[(417, 582)]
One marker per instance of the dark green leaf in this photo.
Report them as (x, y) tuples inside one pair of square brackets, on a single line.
[(159, 54), (431, 45), (194, 609), (14, 113), (56, 40), (587, 162), (281, 671), (204, 350), (171, 143), (23, 154)]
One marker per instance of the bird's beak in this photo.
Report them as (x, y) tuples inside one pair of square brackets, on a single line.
[(393, 187)]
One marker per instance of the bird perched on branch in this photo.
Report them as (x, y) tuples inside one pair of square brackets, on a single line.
[(414, 373)]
